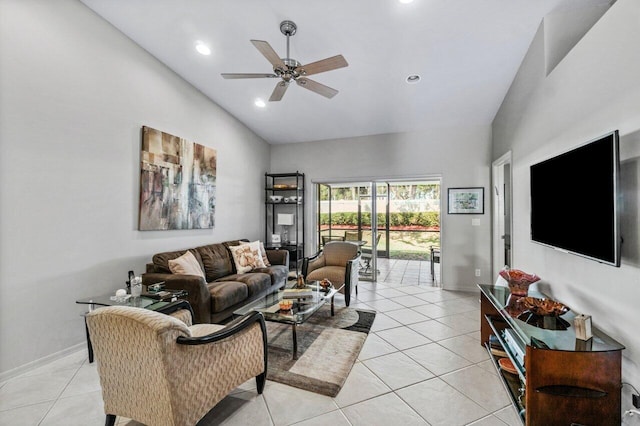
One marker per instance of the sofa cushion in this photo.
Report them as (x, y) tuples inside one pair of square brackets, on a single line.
[(263, 251), (216, 260), (255, 282), (247, 257), (226, 294), (161, 260), (187, 264), (278, 273)]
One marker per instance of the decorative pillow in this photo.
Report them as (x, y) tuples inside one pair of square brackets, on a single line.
[(265, 259), (247, 257), (263, 252), (186, 264)]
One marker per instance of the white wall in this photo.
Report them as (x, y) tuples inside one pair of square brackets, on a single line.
[(460, 156), (593, 90), (74, 94)]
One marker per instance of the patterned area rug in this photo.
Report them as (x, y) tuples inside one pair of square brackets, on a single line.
[(327, 349)]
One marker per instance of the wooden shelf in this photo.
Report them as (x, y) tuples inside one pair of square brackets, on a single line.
[(565, 381)]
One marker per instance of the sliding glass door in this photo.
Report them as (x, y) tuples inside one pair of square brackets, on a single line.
[(389, 219), (345, 213)]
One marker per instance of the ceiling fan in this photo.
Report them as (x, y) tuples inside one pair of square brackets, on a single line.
[(289, 69)]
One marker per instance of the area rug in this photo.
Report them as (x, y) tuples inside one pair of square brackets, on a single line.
[(327, 349)]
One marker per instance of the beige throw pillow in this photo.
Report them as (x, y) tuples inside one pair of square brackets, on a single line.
[(187, 264), (263, 252), (247, 257)]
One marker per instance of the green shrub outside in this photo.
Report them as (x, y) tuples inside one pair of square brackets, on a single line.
[(404, 244), (427, 219)]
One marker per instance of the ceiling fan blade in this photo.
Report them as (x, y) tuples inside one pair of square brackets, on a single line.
[(314, 86), (278, 92), (268, 52), (323, 65), (232, 75)]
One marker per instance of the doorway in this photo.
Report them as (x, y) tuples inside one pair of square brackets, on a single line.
[(406, 223), (502, 213)]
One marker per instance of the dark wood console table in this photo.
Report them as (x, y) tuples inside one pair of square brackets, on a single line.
[(564, 380)]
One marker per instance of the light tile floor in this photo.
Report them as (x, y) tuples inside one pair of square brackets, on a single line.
[(422, 364)]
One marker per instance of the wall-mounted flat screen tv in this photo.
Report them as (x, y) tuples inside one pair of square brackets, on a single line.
[(575, 200)]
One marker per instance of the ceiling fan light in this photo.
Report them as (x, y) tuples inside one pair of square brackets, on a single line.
[(413, 79), (288, 69), (202, 48)]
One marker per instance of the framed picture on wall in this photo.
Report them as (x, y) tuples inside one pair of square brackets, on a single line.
[(465, 201), (177, 183)]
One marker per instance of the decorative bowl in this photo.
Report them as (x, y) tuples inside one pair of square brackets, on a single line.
[(519, 281), (286, 305), (275, 198), (544, 307), (325, 284), (507, 365)]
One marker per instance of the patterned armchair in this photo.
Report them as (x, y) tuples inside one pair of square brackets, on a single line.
[(159, 370), (338, 261)]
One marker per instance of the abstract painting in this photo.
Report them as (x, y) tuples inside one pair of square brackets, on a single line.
[(177, 183)]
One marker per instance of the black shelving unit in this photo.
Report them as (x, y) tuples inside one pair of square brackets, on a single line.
[(285, 209)]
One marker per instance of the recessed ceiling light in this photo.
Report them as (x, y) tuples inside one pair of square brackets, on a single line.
[(412, 79), (405, 1), (202, 48), (260, 103)]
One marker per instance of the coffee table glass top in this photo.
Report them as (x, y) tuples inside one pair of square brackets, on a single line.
[(302, 308)]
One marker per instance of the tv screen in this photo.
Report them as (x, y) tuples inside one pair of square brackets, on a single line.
[(574, 200)]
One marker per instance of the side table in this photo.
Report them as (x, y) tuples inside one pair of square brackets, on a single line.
[(167, 306)]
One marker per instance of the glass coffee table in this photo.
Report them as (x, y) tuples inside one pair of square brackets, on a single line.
[(301, 310)]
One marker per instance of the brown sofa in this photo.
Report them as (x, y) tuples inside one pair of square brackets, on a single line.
[(223, 290)]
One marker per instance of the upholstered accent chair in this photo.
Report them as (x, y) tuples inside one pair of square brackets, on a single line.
[(338, 261), (158, 370)]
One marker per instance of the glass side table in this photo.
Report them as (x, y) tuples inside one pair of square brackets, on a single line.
[(166, 306)]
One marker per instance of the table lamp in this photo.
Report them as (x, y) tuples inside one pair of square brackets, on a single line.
[(285, 220)]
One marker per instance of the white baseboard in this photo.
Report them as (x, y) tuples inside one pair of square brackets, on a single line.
[(10, 374)]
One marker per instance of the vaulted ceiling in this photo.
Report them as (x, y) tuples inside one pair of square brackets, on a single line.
[(466, 53)]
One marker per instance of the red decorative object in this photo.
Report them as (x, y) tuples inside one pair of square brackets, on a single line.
[(519, 281), (507, 365), (544, 307)]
